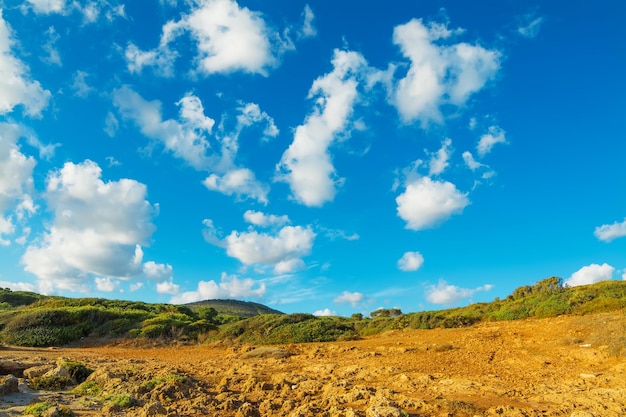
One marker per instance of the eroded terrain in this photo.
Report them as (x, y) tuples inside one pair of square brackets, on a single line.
[(566, 366)]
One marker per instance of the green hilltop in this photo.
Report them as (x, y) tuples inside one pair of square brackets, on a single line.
[(30, 319)]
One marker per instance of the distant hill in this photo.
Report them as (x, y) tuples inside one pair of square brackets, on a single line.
[(29, 319), (235, 307)]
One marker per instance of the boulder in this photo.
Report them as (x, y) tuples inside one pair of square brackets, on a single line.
[(37, 371), (383, 411), (8, 384)]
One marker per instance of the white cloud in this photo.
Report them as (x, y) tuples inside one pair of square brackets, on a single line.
[(47, 6), (353, 298), (283, 250), (18, 286), (185, 139), (111, 124), (105, 284), (16, 88), (446, 294), (590, 275), (609, 232), (16, 180), (308, 30), (80, 86), (90, 9), (410, 261), (167, 287), (52, 54), (470, 162), (258, 218), (190, 137), (426, 203), (306, 165), (325, 313), (228, 38), (439, 160), (488, 140), (230, 287), (155, 271), (530, 27), (438, 74), (240, 182), (98, 229), (250, 114)]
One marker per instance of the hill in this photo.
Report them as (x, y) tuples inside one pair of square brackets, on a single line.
[(29, 319), (235, 307)]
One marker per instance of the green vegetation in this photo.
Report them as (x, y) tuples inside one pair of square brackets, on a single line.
[(36, 320), (37, 409), (121, 400), (90, 388)]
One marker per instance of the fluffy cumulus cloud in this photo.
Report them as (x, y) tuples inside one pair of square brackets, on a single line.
[(16, 181), (18, 286), (446, 294), (97, 230), (438, 74), (327, 312), (487, 141), (16, 86), (192, 139), (167, 287), (228, 38), (259, 218), (609, 232), (410, 261), (591, 274), (352, 298), (240, 182), (306, 165), (229, 287), (282, 249), (426, 202)]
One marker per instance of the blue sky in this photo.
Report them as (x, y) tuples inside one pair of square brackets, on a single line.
[(321, 157)]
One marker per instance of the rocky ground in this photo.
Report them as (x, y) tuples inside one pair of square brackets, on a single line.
[(566, 366)]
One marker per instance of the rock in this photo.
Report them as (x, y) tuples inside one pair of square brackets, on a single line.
[(8, 367), (247, 410), (383, 411), (154, 409), (581, 414), (52, 412), (58, 372), (266, 352), (8, 384), (37, 371)]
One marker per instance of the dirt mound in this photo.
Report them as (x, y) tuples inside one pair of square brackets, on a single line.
[(567, 366)]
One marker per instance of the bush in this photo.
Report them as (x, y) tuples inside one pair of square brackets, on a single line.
[(90, 388), (121, 400), (37, 409)]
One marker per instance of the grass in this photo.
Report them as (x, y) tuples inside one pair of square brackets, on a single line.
[(37, 409), (121, 400), (35, 320)]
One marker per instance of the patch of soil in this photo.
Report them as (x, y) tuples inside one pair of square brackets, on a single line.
[(567, 366)]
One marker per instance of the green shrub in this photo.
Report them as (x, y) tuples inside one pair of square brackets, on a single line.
[(49, 383), (121, 400), (37, 409), (90, 388)]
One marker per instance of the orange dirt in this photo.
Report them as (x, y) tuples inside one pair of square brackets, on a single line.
[(566, 366)]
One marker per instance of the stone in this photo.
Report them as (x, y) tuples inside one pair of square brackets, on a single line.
[(383, 411), (8, 384)]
